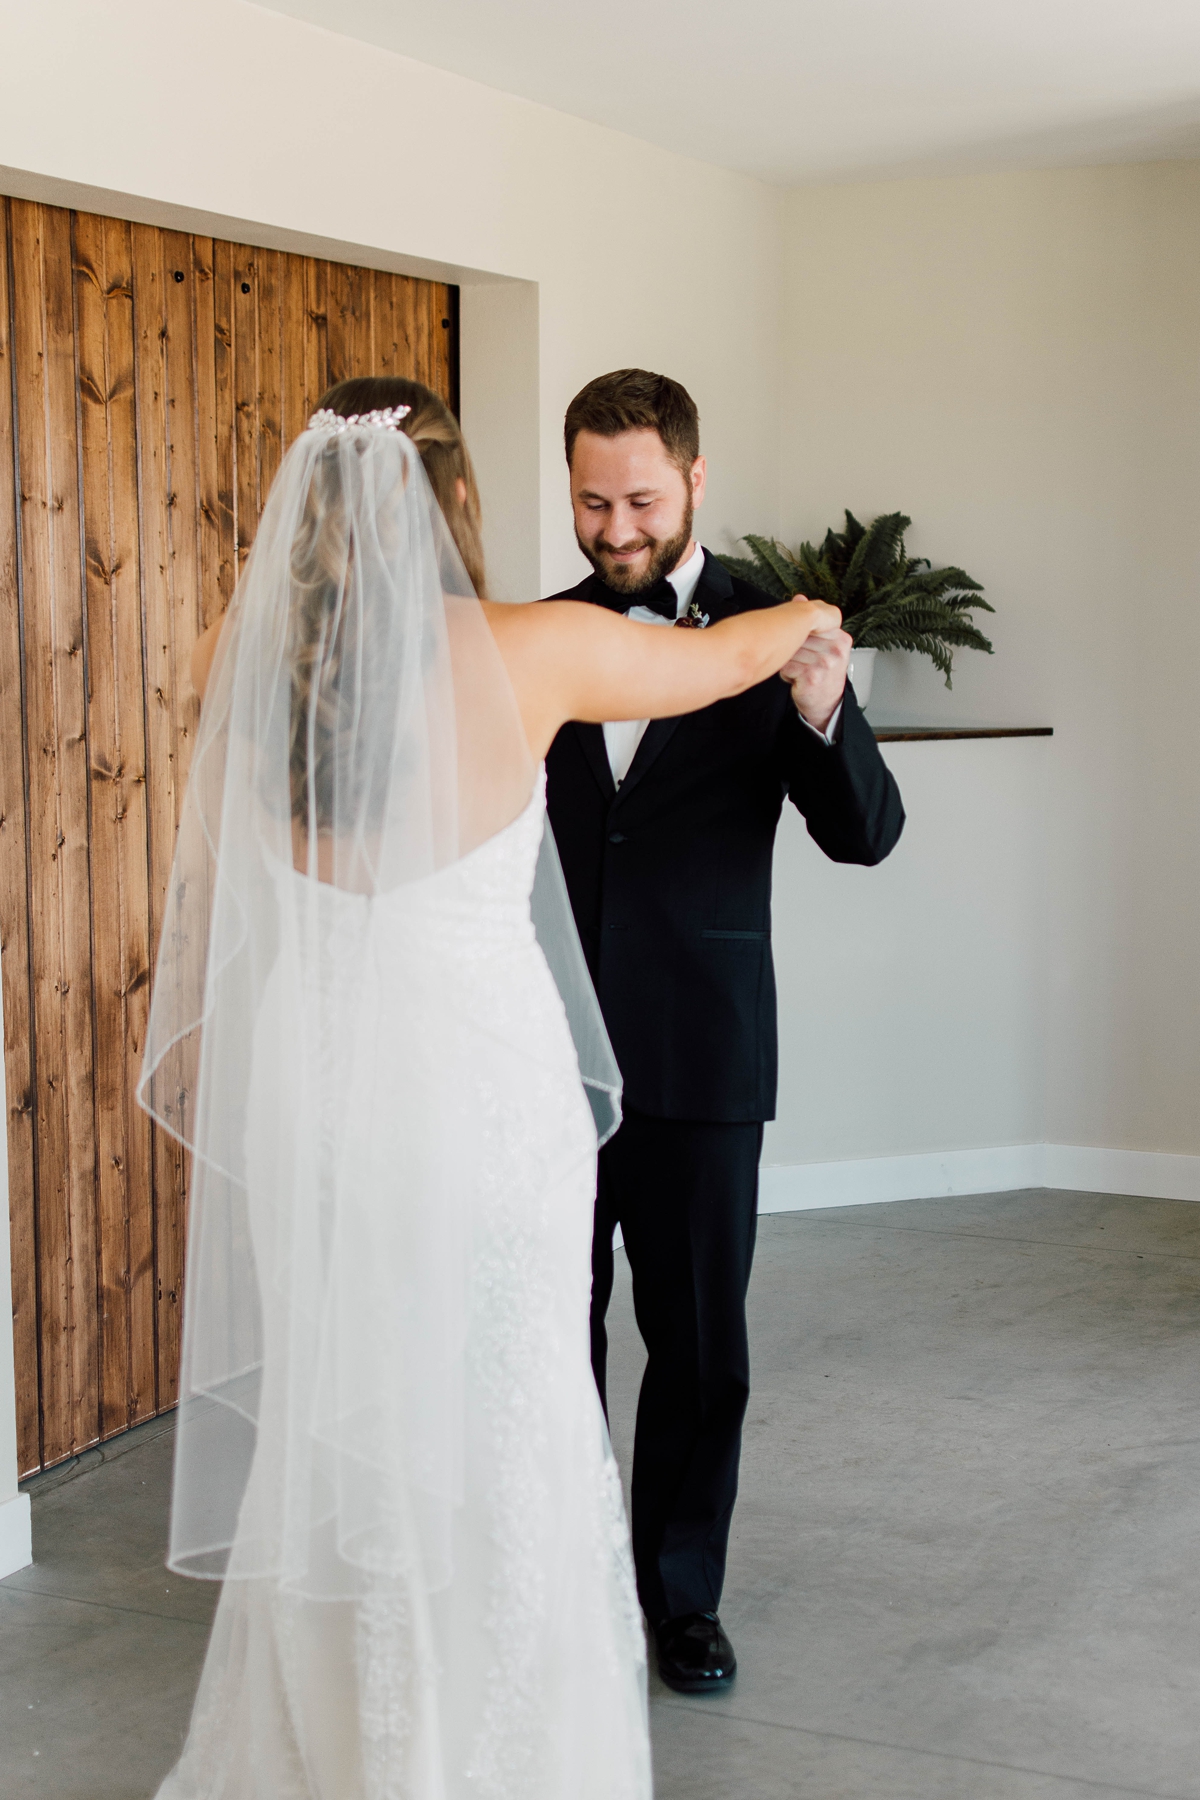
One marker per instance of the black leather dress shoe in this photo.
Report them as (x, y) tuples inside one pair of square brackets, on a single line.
[(694, 1655)]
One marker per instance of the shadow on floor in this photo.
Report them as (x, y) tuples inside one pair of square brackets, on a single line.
[(965, 1563)]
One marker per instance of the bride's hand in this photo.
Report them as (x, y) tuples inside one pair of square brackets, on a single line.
[(818, 614)]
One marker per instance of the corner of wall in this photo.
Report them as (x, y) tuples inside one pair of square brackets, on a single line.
[(16, 1536), (499, 363), (15, 1545)]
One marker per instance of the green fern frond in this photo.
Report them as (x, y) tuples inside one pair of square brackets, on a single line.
[(879, 550), (922, 616), (951, 585), (742, 569), (815, 578), (774, 557), (889, 600)]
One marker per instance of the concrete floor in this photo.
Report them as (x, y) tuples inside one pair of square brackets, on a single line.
[(966, 1562)]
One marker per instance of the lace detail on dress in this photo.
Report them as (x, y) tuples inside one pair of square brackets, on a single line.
[(512, 1346), (398, 1676), (521, 1676), (614, 1564)]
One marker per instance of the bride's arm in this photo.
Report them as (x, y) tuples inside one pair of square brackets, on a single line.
[(569, 660)]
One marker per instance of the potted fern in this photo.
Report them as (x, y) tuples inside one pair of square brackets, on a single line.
[(889, 600)]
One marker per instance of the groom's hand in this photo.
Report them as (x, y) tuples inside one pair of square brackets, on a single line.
[(817, 675)]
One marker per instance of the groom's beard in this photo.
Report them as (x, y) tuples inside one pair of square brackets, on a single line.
[(664, 554)]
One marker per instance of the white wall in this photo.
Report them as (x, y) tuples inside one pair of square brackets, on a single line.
[(1015, 361), (910, 995), (221, 109)]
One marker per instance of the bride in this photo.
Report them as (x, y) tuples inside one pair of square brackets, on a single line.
[(390, 1448)]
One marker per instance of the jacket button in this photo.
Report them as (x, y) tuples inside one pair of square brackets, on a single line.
[(616, 837)]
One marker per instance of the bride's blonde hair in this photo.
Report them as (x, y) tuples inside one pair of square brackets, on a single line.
[(319, 731), (438, 437)]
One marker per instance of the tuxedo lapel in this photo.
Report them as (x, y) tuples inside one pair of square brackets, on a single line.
[(714, 590), (655, 739)]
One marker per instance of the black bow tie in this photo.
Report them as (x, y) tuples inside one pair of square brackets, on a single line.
[(661, 598)]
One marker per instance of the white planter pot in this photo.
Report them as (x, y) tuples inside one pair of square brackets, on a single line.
[(862, 667)]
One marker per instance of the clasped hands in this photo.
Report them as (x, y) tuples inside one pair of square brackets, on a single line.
[(817, 675)]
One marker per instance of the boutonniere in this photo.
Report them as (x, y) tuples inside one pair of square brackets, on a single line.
[(693, 617)]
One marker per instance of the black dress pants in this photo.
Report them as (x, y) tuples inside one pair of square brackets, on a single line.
[(686, 1198)]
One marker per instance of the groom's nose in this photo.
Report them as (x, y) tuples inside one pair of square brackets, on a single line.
[(623, 530)]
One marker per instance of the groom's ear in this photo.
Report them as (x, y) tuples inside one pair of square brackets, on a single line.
[(699, 480)]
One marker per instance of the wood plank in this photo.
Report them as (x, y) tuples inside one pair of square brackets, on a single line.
[(184, 517), (151, 400), (245, 396), (19, 1060), (116, 737), (75, 991), (134, 963), (47, 1026), (410, 291), (375, 310), (453, 347), (321, 330), (316, 338), (360, 348), (293, 329), (44, 354), (183, 597), (211, 594), (164, 785), (75, 824), (441, 319), (225, 429), (112, 1227), (422, 348), (270, 372), (384, 316), (406, 309), (337, 323)]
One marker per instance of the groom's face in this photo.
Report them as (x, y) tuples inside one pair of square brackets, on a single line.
[(633, 507)]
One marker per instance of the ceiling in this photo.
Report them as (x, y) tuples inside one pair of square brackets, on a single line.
[(804, 90)]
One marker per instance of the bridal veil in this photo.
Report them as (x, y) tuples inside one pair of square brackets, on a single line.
[(359, 736)]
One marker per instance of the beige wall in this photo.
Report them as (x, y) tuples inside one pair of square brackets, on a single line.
[(1015, 361)]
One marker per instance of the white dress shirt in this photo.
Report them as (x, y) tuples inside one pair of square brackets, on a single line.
[(621, 738)]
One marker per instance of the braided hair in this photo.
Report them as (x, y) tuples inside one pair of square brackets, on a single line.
[(320, 557)]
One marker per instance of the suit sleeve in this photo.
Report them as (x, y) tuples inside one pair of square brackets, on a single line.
[(845, 790)]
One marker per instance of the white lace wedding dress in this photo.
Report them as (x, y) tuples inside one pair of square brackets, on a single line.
[(519, 1673)]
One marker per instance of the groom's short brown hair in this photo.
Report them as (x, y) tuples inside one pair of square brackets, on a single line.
[(636, 400)]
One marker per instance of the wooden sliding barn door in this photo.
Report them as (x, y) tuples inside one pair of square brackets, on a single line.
[(149, 384)]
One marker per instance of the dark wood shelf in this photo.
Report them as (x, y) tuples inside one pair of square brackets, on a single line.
[(919, 734)]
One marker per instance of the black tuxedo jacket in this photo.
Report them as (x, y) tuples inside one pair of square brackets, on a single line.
[(670, 875)]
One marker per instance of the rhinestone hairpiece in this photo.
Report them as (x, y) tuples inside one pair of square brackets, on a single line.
[(386, 420)]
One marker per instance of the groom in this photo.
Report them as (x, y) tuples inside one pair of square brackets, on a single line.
[(666, 833)]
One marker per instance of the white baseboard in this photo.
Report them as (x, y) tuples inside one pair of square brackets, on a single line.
[(16, 1539), (1148, 1174)]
